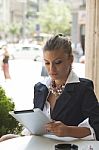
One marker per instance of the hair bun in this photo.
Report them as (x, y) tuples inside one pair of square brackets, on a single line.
[(60, 34)]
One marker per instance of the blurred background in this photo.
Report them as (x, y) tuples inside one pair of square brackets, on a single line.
[(25, 25)]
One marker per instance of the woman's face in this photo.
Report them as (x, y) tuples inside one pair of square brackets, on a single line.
[(58, 64)]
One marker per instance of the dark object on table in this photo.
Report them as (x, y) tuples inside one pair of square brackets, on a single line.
[(66, 147)]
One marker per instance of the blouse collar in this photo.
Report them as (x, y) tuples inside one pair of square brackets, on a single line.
[(72, 78)]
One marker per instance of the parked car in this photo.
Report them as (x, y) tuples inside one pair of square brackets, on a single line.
[(27, 51), (11, 50), (82, 59)]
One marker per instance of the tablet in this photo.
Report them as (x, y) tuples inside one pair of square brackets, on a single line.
[(34, 120)]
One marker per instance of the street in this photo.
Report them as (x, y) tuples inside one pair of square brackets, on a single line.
[(24, 74)]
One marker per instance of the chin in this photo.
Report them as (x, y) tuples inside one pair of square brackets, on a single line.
[(54, 77)]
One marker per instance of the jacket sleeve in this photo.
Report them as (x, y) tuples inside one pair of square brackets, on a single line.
[(90, 109), (85, 123)]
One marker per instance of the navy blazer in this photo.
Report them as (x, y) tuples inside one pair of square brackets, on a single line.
[(74, 105)]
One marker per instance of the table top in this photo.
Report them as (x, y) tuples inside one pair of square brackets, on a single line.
[(43, 143)]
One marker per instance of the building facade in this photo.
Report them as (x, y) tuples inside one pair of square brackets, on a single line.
[(17, 11), (78, 23)]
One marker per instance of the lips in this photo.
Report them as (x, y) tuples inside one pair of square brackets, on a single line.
[(53, 74)]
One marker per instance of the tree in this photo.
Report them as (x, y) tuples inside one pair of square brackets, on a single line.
[(14, 30), (7, 123), (2, 31), (55, 17)]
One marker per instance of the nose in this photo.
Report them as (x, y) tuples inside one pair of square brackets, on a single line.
[(52, 68)]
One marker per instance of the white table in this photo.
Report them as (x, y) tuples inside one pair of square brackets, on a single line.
[(42, 143)]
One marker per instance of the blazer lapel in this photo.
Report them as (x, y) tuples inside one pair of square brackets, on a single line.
[(63, 100)]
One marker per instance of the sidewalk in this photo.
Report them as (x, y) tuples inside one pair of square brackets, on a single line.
[(21, 94), (6, 84)]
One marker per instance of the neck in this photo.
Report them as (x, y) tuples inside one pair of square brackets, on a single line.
[(60, 82), (63, 80)]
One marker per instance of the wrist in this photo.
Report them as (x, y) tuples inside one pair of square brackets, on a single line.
[(77, 132)]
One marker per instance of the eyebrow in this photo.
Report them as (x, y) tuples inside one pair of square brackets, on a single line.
[(54, 59)]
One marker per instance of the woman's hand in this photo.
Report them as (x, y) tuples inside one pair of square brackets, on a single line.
[(60, 129), (57, 128)]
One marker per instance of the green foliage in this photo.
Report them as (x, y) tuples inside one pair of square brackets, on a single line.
[(1, 27), (14, 29), (55, 17), (7, 123)]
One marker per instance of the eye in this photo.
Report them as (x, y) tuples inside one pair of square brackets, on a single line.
[(58, 61), (47, 63)]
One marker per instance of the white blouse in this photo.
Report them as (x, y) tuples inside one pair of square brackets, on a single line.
[(72, 78)]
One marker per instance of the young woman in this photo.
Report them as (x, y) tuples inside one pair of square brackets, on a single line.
[(69, 100)]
